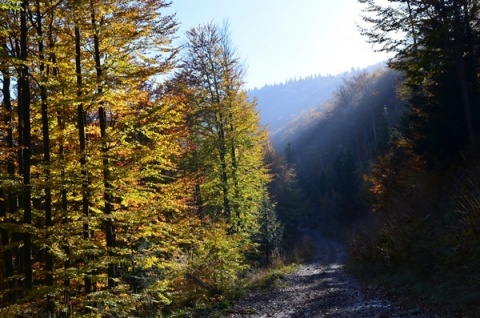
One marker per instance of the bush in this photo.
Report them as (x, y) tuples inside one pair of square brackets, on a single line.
[(212, 266)]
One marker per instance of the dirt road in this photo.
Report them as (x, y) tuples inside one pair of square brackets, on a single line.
[(322, 288)]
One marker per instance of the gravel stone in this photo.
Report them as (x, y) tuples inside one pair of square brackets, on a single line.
[(322, 288)]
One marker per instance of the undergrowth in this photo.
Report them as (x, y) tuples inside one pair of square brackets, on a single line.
[(256, 278), (260, 278), (423, 240)]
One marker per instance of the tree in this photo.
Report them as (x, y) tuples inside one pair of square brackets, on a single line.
[(435, 46), (70, 133), (24, 104), (283, 188), (226, 157), (414, 200), (225, 132), (345, 183), (270, 236)]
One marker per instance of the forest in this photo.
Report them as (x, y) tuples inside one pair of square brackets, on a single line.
[(279, 104), (132, 173), (137, 179), (390, 164)]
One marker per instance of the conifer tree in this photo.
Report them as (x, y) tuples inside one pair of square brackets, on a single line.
[(435, 46)]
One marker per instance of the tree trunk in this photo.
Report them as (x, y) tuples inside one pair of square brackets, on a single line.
[(462, 75), (9, 202), (26, 150), (82, 142), (222, 149), (107, 192), (46, 142), (233, 154)]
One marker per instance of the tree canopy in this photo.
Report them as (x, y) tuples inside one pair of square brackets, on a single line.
[(115, 188)]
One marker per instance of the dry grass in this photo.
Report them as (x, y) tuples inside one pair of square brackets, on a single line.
[(303, 250), (268, 277)]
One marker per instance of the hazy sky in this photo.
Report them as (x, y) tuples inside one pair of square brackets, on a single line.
[(282, 39)]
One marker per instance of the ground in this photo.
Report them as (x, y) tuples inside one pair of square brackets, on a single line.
[(323, 288)]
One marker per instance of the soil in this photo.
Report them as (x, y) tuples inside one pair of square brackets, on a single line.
[(323, 288)]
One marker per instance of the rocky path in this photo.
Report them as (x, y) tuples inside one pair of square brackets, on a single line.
[(322, 288)]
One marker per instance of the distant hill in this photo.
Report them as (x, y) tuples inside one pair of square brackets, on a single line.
[(333, 146), (281, 104)]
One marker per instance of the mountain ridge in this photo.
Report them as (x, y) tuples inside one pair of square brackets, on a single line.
[(282, 103)]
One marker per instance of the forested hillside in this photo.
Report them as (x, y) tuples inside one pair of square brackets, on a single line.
[(333, 146), (280, 104)]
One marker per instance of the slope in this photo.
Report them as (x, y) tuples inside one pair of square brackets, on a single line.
[(281, 104)]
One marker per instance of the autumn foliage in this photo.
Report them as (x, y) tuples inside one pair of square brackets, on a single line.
[(118, 188)]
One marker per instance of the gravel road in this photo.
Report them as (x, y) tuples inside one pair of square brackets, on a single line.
[(322, 288)]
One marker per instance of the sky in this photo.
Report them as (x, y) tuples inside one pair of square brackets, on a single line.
[(283, 39)]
